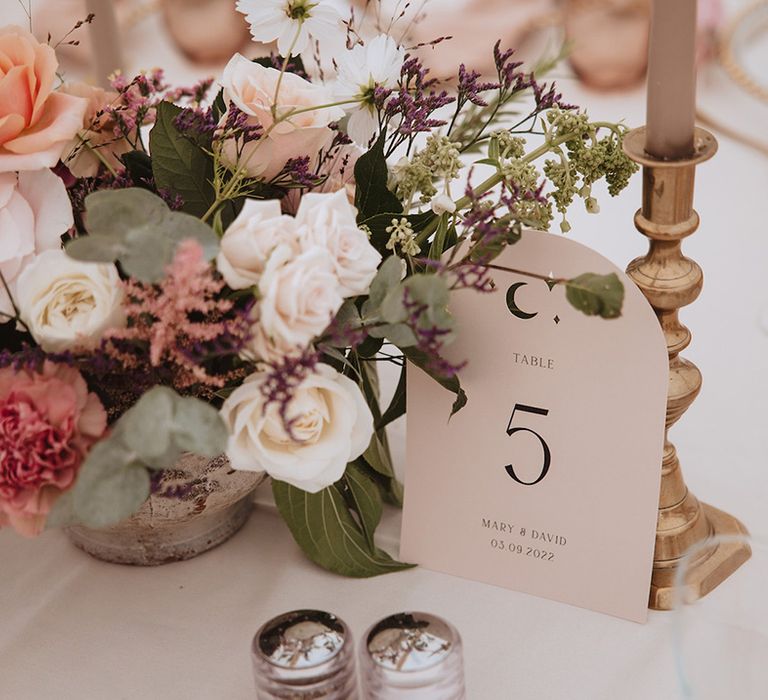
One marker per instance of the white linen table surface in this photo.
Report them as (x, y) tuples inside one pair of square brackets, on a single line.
[(74, 628)]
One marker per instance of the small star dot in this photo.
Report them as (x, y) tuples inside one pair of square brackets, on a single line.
[(557, 319)]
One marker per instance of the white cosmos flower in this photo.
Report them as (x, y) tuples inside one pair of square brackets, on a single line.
[(282, 20), (377, 64)]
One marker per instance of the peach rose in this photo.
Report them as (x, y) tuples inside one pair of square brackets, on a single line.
[(97, 133), (35, 122), (48, 423), (251, 88)]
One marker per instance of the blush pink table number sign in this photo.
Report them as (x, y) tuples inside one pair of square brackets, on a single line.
[(547, 482)]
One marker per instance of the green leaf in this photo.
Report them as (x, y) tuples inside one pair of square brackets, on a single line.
[(198, 427), (421, 360), (139, 167), (180, 166), (596, 295), (109, 488), (372, 196), (326, 531), (397, 404), (162, 425), (398, 333), (136, 228), (370, 346), (364, 498), (387, 278), (377, 455)]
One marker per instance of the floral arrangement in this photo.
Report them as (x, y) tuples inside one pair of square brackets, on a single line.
[(221, 268)]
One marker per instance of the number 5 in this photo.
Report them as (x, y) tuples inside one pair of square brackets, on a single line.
[(511, 431)]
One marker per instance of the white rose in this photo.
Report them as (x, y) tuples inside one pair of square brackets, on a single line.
[(251, 88), (250, 239), (34, 213), (68, 304), (299, 295), (328, 220), (332, 425)]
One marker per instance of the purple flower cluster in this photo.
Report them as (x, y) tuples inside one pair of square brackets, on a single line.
[(411, 107), (470, 88), (283, 379), (237, 126), (297, 174)]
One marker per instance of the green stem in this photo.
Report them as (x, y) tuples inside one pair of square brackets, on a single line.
[(284, 67)]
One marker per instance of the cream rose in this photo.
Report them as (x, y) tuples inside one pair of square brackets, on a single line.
[(68, 304), (331, 426), (35, 122), (329, 221), (34, 213), (250, 239), (299, 296), (251, 88), (97, 134)]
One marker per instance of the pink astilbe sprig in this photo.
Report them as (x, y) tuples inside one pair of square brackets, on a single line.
[(177, 320)]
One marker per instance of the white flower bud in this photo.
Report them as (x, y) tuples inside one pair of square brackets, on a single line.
[(443, 204)]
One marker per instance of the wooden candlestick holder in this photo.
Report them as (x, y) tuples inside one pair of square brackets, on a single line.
[(670, 281)]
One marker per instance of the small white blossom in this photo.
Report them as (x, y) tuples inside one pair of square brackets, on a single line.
[(443, 204), (402, 236), (592, 206), (286, 20), (362, 70)]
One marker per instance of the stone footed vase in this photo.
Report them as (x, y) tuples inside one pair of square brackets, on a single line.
[(199, 504)]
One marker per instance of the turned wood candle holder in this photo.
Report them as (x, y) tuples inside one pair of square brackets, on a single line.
[(670, 281)]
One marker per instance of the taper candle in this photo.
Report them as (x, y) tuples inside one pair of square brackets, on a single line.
[(671, 79), (105, 37)]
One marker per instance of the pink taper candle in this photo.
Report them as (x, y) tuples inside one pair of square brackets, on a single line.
[(671, 79)]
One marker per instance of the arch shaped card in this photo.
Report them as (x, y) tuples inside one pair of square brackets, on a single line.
[(547, 482)]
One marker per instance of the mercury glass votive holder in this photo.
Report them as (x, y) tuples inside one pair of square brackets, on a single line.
[(304, 655), (414, 656)]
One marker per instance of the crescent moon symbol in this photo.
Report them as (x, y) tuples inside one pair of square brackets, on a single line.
[(512, 304)]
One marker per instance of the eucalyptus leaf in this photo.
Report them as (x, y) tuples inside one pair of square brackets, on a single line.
[(180, 166), (136, 228), (198, 427), (326, 531), (596, 295), (145, 428), (110, 487), (388, 277), (399, 334)]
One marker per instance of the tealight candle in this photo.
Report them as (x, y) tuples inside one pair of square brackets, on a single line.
[(416, 656), (304, 654)]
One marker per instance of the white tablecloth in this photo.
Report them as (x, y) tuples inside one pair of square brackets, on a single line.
[(71, 627)]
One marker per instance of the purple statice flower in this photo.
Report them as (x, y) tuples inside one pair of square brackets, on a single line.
[(283, 379), (297, 174), (31, 358), (411, 107), (237, 126), (470, 88), (177, 492), (175, 202), (196, 123)]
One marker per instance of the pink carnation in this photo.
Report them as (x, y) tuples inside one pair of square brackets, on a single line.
[(48, 422)]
